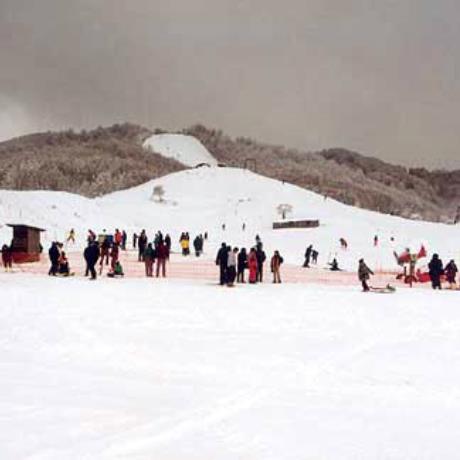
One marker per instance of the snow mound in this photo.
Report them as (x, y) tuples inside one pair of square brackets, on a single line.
[(185, 149)]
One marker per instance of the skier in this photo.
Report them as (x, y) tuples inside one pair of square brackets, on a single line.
[(451, 271), (231, 266), (162, 255), (308, 252), (91, 254), (242, 265), (252, 264), (261, 257), (343, 244), (71, 236), (221, 262), (54, 254), (149, 257), (275, 265), (364, 273), (7, 257), (436, 270)]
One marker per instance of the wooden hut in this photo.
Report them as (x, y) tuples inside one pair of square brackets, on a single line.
[(26, 245)]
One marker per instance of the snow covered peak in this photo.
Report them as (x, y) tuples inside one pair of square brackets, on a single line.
[(187, 150)]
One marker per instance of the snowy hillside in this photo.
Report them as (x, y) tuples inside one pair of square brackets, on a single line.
[(203, 200), (185, 149)]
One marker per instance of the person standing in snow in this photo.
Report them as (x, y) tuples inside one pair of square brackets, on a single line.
[(231, 266), (308, 252), (114, 255), (135, 237), (451, 271), (105, 250), (436, 270), (91, 254), (221, 262), (253, 266), (149, 256), (162, 255), (124, 239), (198, 245), (54, 254), (261, 257), (364, 273), (168, 243), (141, 245), (7, 257), (275, 266), (314, 257), (242, 265), (376, 240)]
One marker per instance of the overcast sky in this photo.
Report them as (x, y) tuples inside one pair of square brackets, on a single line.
[(377, 76)]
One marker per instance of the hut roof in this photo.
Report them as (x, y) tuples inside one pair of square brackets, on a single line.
[(27, 226)]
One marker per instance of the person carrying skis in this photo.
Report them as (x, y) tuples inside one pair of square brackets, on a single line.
[(436, 271), (221, 262), (451, 271), (252, 264), (54, 254), (91, 254), (261, 257), (275, 265), (364, 273), (149, 257), (308, 252), (242, 265)]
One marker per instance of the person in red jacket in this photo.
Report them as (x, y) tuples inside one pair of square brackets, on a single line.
[(252, 264), (162, 254), (118, 237)]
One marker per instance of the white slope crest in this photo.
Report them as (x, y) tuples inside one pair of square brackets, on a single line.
[(187, 150)]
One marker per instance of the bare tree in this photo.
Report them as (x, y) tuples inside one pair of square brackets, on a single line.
[(283, 210)]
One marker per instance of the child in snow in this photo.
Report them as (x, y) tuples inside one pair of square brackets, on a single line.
[(117, 271)]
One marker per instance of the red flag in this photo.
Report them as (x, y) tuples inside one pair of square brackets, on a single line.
[(421, 253)]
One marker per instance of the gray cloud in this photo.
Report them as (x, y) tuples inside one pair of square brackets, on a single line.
[(378, 77)]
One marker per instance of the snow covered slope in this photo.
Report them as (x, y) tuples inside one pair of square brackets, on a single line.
[(203, 200), (185, 149)]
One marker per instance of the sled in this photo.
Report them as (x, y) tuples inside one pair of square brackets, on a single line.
[(388, 289)]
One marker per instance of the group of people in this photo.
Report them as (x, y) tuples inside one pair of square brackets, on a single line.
[(59, 260), (437, 271), (311, 256), (157, 251), (233, 264)]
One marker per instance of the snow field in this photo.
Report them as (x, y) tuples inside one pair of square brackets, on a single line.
[(139, 369)]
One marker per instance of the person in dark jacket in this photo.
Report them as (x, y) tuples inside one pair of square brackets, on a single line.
[(124, 239), (198, 245), (7, 257), (451, 271), (242, 265), (141, 245), (149, 257), (261, 257), (168, 242), (91, 255), (436, 270), (308, 252), (221, 262), (54, 254), (364, 273)]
